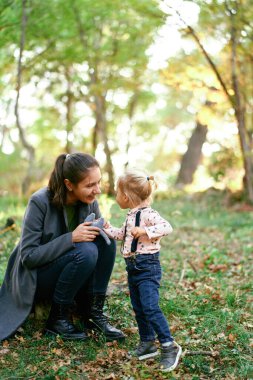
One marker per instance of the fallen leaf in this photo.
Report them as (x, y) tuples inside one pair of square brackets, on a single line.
[(131, 330), (4, 351), (59, 341), (57, 351), (216, 296), (111, 376), (232, 338), (21, 339), (112, 344), (37, 335), (219, 267)]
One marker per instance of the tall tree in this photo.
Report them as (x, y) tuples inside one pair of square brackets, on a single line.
[(28, 147), (193, 155), (118, 44), (78, 52), (230, 19), (194, 88)]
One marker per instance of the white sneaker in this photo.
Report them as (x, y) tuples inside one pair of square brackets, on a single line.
[(145, 350), (170, 357)]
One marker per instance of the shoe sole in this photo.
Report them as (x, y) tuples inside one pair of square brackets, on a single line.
[(147, 356), (176, 362), (51, 332), (109, 338)]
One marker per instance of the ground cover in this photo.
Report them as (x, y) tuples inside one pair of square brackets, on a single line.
[(206, 294)]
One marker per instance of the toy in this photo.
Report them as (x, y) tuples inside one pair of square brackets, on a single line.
[(98, 223)]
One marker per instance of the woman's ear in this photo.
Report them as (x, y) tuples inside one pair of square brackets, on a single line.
[(68, 184)]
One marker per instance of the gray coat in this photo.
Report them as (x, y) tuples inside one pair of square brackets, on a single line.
[(44, 237)]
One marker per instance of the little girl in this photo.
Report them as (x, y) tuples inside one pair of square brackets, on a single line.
[(141, 234)]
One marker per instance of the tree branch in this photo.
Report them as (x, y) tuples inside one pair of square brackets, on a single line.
[(34, 59), (206, 55), (25, 143), (200, 352)]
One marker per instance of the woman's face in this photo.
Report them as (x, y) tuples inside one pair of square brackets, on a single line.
[(87, 189)]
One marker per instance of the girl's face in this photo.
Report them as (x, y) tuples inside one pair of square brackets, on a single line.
[(85, 190), (122, 199)]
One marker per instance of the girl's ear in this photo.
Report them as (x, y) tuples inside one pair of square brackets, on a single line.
[(68, 184)]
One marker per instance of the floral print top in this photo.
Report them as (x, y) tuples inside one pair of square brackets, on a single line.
[(155, 226)]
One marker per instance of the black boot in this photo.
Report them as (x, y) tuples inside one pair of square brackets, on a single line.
[(94, 318), (60, 323)]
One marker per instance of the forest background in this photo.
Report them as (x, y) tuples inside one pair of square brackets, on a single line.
[(165, 86), (161, 85)]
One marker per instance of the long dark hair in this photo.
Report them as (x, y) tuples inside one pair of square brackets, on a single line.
[(73, 167)]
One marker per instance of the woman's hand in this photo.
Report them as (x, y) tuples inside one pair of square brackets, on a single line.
[(137, 232), (85, 232)]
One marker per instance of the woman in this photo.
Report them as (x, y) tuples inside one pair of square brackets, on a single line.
[(60, 257)]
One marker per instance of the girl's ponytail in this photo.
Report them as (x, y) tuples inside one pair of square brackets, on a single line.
[(137, 185)]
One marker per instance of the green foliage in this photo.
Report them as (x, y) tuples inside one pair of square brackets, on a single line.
[(11, 207), (74, 52), (223, 162), (11, 178), (78, 50)]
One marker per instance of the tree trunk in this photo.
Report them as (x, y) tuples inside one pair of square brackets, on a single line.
[(28, 147), (101, 126), (240, 117), (95, 135), (100, 107), (69, 101), (235, 100), (131, 110), (192, 157)]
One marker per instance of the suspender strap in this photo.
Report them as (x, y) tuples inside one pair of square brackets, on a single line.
[(137, 224)]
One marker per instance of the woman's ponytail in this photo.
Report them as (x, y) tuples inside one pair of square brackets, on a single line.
[(56, 184)]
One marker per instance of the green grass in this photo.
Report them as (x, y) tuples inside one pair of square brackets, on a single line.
[(206, 295)]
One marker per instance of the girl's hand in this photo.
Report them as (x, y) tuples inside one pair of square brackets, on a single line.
[(85, 232), (106, 224), (137, 232)]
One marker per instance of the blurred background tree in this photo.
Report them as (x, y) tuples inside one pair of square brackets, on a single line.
[(157, 85), (229, 24)]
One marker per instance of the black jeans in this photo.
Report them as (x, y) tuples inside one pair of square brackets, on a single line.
[(85, 268)]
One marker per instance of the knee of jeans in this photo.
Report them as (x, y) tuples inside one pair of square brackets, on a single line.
[(100, 241), (110, 249), (88, 253), (151, 310)]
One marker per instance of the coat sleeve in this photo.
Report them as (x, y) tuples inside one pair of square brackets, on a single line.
[(33, 253)]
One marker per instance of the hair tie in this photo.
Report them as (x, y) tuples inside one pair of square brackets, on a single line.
[(148, 178), (67, 156)]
